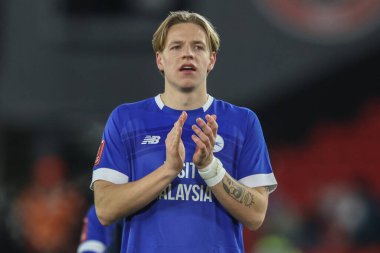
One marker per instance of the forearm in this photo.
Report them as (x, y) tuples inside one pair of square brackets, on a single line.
[(247, 205), (114, 201)]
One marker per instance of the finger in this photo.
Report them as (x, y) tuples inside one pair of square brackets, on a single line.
[(200, 145), (210, 117), (169, 136), (174, 136), (202, 136), (211, 122), (205, 128), (180, 122), (177, 133), (181, 119)]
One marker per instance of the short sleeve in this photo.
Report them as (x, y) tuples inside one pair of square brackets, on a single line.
[(254, 167), (111, 163), (93, 239)]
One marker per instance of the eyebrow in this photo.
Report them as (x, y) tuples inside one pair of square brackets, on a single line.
[(181, 42), (198, 42), (175, 42)]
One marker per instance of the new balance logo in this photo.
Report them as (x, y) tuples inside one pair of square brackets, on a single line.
[(151, 139)]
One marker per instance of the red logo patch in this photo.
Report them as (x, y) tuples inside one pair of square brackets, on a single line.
[(83, 236), (100, 152)]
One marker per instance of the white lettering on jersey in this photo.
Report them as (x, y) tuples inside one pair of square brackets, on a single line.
[(195, 196), (188, 170), (151, 139), (186, 192)]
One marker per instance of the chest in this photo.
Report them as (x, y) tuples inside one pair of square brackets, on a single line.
[(144, 140)]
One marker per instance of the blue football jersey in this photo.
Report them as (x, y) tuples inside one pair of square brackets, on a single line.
[(185, 217), (95, 237)]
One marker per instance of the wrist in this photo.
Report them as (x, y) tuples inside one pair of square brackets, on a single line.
[(213, 173), (208, 168), (172, 171), (206, 164)]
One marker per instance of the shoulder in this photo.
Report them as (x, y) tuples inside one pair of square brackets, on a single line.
[(126, 110), (135, 106), (234, 111)]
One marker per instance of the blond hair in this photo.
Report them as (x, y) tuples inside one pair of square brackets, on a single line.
[(178, 17)]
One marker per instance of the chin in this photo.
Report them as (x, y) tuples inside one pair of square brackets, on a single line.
[(187, 89), (185, 86)]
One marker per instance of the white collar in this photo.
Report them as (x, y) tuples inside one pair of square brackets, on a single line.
[(205, 107)]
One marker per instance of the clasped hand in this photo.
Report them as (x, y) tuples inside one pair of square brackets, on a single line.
[(204, 138)]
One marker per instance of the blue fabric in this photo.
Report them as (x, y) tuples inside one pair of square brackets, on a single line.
[(95, 231), (185, 217)]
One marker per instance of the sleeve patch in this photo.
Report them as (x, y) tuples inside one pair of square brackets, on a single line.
[(100, 152)]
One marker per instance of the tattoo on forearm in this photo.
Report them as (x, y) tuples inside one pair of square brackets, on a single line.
[(238, 192)]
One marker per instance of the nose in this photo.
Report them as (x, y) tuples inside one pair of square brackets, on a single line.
[(188, 52)]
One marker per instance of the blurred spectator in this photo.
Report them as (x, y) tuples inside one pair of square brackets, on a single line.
[(367, 232), (349, 219), (286, 223), (96, 238), (46, 213), (275, 244), (345, 219)]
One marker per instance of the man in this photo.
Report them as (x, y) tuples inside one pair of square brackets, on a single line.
[(96, 238), (42, 214), (156, 165)]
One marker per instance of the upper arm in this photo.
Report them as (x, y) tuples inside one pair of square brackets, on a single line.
[(111, 162), (253, 167)]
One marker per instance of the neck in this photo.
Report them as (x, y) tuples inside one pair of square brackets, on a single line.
[(184, 101)]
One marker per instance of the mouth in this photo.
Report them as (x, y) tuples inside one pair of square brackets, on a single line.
[(187, 68)]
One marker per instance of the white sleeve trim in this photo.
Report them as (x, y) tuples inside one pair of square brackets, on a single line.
[(260, 180), (91, 245), (110, 175)]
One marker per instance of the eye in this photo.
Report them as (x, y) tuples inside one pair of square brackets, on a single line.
[(175, 47), (199, 47)]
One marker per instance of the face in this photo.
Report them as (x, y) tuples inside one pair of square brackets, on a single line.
[(186, 58)]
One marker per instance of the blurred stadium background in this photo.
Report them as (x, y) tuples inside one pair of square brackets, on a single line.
[(309, 69)]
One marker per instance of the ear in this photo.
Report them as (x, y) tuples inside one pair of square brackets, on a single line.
[(212, 62), (159, 63)]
